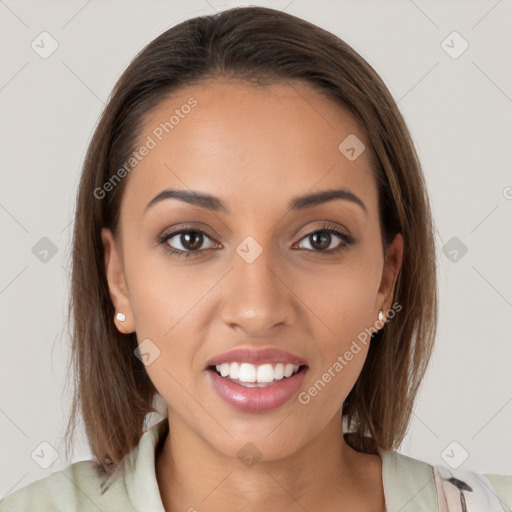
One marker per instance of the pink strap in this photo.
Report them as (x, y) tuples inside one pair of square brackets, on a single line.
[(464, 491)]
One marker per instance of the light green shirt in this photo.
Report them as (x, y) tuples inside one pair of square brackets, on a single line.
[(410, 485)]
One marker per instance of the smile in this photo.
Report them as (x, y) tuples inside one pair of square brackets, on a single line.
[(248, 393)]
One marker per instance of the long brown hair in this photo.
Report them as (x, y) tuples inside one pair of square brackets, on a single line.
[(113, 392)]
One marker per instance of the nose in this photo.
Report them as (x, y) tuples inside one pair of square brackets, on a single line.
[(257, 296)]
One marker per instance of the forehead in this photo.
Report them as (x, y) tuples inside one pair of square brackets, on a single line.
[(249, 145)]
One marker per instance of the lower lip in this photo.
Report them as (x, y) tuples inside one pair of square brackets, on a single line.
[(257, 399)]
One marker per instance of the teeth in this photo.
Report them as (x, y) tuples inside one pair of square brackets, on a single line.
[(250, 373), (265, 373), (247, 373), (279, 371)]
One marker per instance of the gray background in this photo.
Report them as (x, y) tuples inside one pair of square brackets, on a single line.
[(458, 110)]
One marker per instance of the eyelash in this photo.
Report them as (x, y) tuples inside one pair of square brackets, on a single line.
[(347, 241)]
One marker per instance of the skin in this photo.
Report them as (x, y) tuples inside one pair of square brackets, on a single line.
[(255, 150)]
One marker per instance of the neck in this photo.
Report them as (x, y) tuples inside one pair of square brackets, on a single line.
[(325, 474)]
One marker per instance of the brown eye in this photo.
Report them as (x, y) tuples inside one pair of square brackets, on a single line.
[(191, 240), (185, 241), (324, 240)]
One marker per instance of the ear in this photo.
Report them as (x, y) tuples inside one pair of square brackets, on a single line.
[(392, 264), (116, 282)]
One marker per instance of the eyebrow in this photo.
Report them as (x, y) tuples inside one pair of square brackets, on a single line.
[(215, 204)]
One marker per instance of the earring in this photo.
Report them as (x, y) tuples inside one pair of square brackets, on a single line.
[(381, 316), (121, 317)]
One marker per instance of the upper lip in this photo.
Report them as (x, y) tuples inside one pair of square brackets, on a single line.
[(256, 356)]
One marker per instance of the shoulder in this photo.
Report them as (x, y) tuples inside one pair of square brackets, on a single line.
[(419, 485), (78, 487), (502, 486), (408, 483)]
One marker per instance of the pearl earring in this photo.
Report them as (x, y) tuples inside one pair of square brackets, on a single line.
[(381, 316), (121, 317)]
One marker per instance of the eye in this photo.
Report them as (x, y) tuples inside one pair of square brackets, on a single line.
[(321, 240), (188, 241)]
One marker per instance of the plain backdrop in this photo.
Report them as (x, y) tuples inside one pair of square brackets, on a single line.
[(457, 105)]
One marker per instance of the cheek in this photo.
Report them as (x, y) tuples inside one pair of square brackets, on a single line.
[(167, 308), (163, 294), (343, 311), (342, 301), (342, 298)]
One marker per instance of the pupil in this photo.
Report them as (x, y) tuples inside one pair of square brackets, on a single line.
[(321, 240), (186, 237)]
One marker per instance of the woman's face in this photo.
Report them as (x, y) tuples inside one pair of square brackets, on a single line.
[(264, 270)]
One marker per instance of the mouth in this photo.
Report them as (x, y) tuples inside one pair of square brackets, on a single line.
[(256, 380)]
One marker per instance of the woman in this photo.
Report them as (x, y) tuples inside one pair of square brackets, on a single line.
[(253, 244)]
